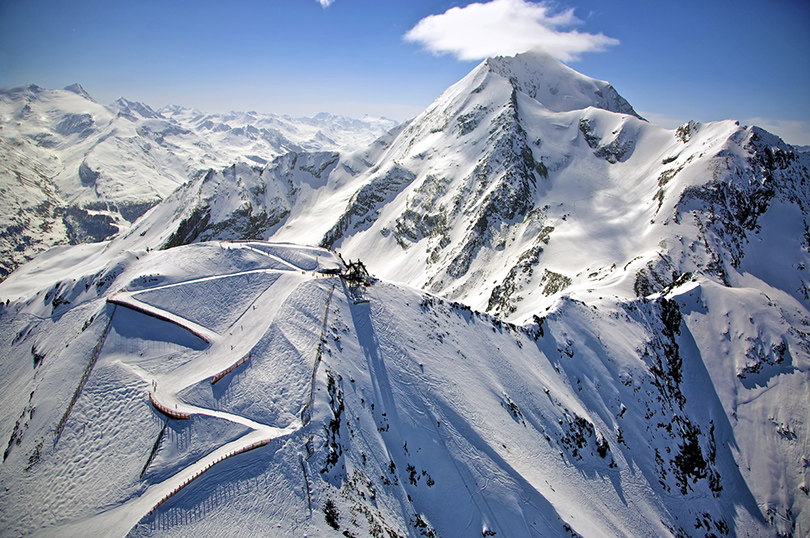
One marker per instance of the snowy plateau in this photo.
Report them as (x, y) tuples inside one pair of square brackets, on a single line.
[(574, 323)]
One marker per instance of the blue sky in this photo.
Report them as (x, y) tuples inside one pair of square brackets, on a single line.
[(674, 61)]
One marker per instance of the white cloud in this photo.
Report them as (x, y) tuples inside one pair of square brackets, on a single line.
[(504, 28), (325, 3)]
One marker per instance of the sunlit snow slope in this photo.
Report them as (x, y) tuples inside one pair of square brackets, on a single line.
[(385, 411), (523, 183)]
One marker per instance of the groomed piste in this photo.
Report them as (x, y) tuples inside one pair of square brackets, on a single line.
[(241, 388)]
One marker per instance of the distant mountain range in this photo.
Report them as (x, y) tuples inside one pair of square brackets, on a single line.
[(76, 171), (576, 323)]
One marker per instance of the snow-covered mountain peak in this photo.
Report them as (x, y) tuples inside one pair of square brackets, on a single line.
[(77, 89), (489, 97), (555, 85), (170, 110), (130, 108)]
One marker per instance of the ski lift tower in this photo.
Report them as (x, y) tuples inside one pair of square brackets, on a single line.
[(357, 277)]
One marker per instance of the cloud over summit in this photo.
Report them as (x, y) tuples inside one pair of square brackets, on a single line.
[(505, 27)]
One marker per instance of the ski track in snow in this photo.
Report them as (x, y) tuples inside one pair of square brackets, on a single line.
[(262, 433), (170, 386)]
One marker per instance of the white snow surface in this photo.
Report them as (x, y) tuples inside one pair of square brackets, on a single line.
[(585, 325), (74, 171), (615, 418)]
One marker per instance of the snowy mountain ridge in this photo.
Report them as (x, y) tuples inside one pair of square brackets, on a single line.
[(555, 85), (581, 324), (492, 199), (76, 171)]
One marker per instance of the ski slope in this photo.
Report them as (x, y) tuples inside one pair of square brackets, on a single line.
[(154, 350), (383, 410)]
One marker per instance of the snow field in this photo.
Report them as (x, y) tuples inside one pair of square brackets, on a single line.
[(425, 414), (140, 348)]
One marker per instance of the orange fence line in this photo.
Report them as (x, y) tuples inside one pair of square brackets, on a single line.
[(166, 411), (186, 482), (230, 368), (134, 305)]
